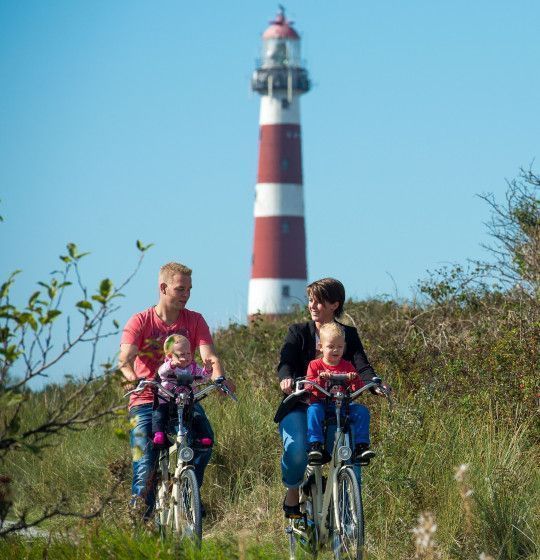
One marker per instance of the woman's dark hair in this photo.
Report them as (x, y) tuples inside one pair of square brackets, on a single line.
[(330, 290)]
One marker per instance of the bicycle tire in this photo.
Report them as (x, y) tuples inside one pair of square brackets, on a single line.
[(310, 542), (349, 543), (292, 540), (186, 507), (161, 509)]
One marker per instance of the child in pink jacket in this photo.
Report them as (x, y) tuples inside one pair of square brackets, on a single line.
[(178, 364)]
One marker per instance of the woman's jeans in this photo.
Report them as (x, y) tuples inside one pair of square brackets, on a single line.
[(145, 456), (358, 418), (293, 432)]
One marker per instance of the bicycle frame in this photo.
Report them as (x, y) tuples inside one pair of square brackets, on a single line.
[(326, 524), (181, 400), (168, 500), (184, 453), (181, 444)]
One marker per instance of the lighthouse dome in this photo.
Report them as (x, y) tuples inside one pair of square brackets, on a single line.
[(281, 28), (281, 44)]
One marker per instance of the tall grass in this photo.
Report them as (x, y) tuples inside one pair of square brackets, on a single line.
[(449, 411)]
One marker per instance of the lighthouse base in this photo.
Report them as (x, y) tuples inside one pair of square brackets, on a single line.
[(271, 296)]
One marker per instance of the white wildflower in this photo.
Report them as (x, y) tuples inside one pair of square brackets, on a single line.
[(424, 536), (460, 472)]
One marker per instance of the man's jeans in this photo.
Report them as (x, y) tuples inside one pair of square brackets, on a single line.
[(358, 418), (144, 455)]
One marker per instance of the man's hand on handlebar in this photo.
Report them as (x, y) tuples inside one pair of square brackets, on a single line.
[(134, 386), (229, 383)]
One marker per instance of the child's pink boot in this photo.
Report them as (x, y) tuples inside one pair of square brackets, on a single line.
[(159, 438)]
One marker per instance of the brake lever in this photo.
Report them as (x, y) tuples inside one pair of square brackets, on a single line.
[(221, 384), (136, 390), (141, 386), (386, 393), (227, 391)]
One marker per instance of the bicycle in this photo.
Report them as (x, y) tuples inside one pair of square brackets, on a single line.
[(331, 507), (178, 502)]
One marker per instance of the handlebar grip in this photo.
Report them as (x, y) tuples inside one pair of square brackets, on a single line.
[(294, 395), (349, 376), (136, 387), (222, 386)]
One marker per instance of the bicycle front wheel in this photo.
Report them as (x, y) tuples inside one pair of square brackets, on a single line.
[(348, 541), (163, 494), (186, 507)]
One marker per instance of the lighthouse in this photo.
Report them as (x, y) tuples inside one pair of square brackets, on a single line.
[(279, 269)]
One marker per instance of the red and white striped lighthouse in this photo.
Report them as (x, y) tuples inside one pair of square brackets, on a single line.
[(279, 270)]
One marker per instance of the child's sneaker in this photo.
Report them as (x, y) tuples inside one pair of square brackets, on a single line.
[(315, 453), (159, 439), (363, 454)]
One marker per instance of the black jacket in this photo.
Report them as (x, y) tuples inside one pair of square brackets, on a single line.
[(299, 349)]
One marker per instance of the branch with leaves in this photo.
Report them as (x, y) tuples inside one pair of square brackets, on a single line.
[(515, 228), (61, 508), (34, 341)]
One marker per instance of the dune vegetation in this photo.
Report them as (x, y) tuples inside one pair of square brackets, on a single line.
[(457, 469)]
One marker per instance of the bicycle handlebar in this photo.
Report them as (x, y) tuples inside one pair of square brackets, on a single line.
[(218, 383), (375, 383), (349, 376)]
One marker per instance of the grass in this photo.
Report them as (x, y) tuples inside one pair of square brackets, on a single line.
[(459, 401)]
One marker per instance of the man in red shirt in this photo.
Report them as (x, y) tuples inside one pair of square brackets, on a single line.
[(141, 355)]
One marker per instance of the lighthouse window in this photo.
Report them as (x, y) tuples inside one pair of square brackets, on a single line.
[(286, 291), (284, 164), (285, 228)]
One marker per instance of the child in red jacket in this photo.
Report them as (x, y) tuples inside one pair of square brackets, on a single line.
[(332, 346)]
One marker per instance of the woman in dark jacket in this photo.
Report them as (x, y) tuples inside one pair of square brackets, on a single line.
[(325, 303)]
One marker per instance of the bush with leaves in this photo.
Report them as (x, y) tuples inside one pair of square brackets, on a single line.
[(30, 349)]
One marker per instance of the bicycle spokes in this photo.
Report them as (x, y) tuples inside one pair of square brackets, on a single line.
[(348, 539)]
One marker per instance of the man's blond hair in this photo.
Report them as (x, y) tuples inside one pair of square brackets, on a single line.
[(331, 330), (167, 271)]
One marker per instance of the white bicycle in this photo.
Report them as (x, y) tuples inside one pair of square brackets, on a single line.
[(178, 500), (331, 506)]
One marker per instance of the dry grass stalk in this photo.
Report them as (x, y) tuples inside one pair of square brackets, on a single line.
[(426, 547), (242, 544), (465, 492)]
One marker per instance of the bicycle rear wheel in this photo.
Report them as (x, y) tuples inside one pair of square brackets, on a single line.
[(348, 543), (186, 507)]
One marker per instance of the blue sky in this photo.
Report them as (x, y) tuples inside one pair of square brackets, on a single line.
[(134, 120)]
